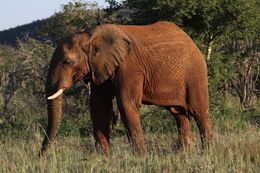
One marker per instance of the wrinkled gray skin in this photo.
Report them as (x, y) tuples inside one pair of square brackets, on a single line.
[(153, 64)]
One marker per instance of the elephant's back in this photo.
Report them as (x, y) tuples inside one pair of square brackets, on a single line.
[(165, 48), (154, 34), (162, 41)]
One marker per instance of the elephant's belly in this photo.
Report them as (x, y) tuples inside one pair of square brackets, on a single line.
[(163, 102), (165, 95)]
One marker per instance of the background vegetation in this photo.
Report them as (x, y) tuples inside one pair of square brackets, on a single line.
[(227, 32)]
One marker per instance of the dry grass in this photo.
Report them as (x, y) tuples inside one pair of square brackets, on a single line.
[(233, 151)]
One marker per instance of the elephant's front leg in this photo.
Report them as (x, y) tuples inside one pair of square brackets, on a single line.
[(129, 103), (130, 115), (100, 112)]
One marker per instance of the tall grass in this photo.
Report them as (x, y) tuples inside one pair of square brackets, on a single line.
[(236, 148)]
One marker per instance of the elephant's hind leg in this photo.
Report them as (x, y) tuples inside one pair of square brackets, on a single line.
[(198, 107), (183, 125), (204, 125)]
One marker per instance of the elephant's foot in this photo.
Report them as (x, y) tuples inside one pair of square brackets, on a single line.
[(45, 145), (184, 143), (188, 141), (206, 133), (185, 139), (102, 149), (142, 151), (102, 143), (206, 139), (138, 144)]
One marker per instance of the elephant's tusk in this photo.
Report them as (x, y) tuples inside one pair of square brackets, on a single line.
[(58, 93)]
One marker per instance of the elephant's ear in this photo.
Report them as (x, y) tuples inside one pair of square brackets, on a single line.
[(109, 46)]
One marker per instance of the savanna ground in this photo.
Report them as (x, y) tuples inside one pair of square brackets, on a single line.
[(236, 148)]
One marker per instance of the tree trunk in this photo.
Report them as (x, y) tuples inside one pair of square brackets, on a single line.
[(209, 47)]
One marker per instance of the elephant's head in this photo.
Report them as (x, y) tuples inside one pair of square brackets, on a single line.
[(82, 56)]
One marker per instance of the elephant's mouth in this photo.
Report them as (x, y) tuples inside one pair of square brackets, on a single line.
[(57, 94)]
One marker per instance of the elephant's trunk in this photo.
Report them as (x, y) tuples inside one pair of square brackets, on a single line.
[(54, 118), (54, 107)]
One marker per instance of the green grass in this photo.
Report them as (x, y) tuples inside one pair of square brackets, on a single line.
[(236, 146), (236, 150)]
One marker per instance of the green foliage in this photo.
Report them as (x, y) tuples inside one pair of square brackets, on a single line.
[(23, 83), (74, 17), (220, 70), (198, 15)]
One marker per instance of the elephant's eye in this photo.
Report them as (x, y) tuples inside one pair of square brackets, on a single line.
[(67, 62)]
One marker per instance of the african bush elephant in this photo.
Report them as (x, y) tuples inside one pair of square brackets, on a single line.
[(154, 64)]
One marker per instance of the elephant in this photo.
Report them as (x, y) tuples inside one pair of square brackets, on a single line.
[(156, 64)]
